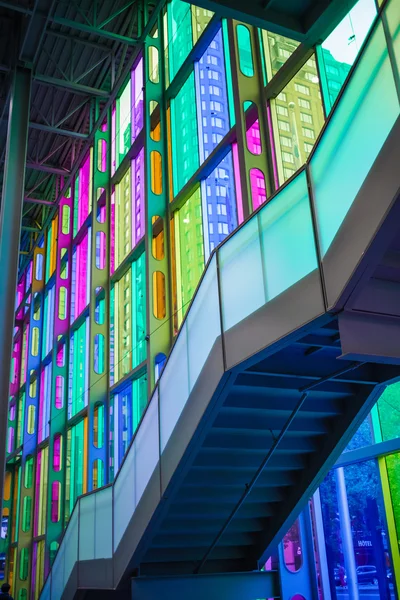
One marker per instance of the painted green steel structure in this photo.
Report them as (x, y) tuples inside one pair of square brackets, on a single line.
[(199, 137)]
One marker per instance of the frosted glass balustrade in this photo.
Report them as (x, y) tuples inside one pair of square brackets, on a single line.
[(147, 447), (124, 496), (287, 238), (203, 322), (242, 288), (103, 524), (70, 542), (354, 137), (174, 391)]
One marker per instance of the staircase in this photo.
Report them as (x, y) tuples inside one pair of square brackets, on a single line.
[(289, 341)]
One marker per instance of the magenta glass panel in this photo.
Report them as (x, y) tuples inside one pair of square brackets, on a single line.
[(83, 192), (138, 214), (112, 233), (16, 364), (238, 183), (113, 139), (137, 99), (55, 501), (59, 400), (20, 294), (80, 276), (60, 359), (258, 191), (253, 138), (57, 453)]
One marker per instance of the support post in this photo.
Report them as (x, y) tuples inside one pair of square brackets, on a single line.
[(10, 230), (347, 541)]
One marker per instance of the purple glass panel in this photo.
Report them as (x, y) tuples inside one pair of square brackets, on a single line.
[(138, 214), (113, 139), (112, 233), (239, 198), (253, 138), (84, 192), (137, 99)]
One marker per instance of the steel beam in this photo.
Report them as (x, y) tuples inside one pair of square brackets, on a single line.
[(115, 37), (10, 230), (58, 131), (35, 31), (30, 200), (76, 88), (47, 169)]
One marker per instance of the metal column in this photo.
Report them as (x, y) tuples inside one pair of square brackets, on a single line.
[(10, 229), (347, 541)]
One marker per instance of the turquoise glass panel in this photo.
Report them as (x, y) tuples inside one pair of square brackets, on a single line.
[(244, 50), (242, 288), (354, 137), (185, 147), (174, 391), (287, 237), (179, 34), (203, 322)]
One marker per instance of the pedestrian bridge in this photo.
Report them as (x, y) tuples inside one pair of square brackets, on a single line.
[(291, 336)]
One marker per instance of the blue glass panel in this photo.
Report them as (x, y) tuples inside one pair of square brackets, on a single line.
[(213, 109), (287, 237), (219, 204), (356, 133)]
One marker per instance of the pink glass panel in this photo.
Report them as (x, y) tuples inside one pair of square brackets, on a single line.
[(57, 453), (112, 234), (61, 356), (238, 183), (137, 99), (254, 138), (55, 501), (84, 192), (59, 400), (138, 215), (258, 191), (113, 140)]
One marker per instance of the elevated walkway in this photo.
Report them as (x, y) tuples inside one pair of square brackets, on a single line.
[(290, 339)]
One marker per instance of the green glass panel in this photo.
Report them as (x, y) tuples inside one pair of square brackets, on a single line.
[(20, 422), (245, 50), (185, 145), (287, 238), (189, 249), (179, 35), (339, 51), (48, 252), (389, 412), (354, 137), (75, 465), (27, 514), (23, 564), (393, 471), (28, 472)]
